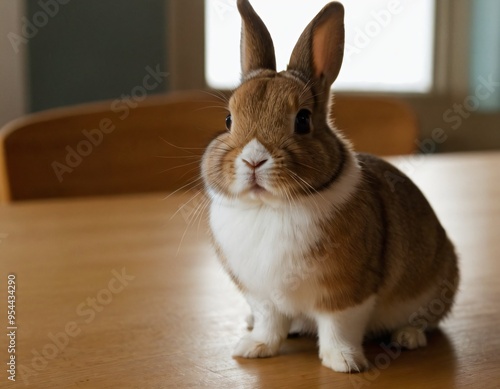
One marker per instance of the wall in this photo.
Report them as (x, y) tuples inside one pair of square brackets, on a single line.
[(93, 50), (12, 63), (485, 50)]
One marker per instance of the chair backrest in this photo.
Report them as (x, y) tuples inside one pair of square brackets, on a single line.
[(127, 146), (378, 125)]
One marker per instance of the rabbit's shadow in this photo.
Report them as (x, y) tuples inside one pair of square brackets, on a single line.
[(400, 368), (390, 366)]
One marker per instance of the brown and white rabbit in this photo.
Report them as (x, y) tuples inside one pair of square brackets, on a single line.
[(310, 231)]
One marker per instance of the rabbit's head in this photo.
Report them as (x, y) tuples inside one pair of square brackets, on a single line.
[(279, 144)]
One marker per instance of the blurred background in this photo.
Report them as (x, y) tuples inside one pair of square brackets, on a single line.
[(440, 56)]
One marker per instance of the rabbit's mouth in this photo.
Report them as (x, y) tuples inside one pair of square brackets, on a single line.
[(256, 182), (257, 192), (255, 189)]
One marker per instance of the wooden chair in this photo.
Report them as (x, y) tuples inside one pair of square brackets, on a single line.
[(122, 146), (378, 125)]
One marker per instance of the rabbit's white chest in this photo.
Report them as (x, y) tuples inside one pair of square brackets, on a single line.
[(265, 249)]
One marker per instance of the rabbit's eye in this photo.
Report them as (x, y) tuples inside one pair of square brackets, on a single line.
[(303, 122), (229, 121)]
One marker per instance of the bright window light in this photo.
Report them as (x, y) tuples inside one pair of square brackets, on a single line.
[(389, 43)]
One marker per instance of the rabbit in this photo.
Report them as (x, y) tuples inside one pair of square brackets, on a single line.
[(318, 238)]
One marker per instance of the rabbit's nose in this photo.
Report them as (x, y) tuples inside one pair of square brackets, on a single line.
[(254, 164)]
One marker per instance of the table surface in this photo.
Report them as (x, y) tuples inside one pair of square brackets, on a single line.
[(126, 292)]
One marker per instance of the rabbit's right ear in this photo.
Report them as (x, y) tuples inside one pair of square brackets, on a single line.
[(319, 51), (257, 49)]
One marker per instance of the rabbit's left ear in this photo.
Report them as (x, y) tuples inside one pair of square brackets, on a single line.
[(257, 49), (319, 51)]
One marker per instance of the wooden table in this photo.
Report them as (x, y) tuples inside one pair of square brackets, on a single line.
[(116, 292)]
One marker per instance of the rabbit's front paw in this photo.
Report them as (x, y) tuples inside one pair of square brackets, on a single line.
[(344, 361), (251, 348)]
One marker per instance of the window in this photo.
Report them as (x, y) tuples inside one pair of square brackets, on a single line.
[(389, 43)]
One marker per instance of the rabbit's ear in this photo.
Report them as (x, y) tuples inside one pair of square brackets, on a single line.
[(257, 49), (319, 51)]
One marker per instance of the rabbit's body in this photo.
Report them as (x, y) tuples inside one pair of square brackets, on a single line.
[(305, 255), (274, 254), (315, 235)]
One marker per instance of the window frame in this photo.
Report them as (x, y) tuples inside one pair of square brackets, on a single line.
[(451, 48)]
